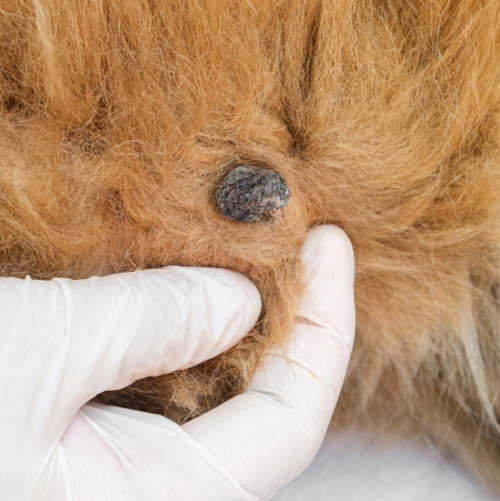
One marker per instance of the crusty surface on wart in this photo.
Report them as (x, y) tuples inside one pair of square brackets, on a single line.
[(251, 193)]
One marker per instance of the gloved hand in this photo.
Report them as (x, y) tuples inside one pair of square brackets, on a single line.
[(63, 342)]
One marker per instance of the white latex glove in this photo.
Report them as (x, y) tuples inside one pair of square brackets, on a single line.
[(62, 342)]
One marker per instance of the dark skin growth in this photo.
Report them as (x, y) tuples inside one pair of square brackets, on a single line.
[(251, 194)]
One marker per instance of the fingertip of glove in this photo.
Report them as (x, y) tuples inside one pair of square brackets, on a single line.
[(251, 292), (329, 238), (237, 281)]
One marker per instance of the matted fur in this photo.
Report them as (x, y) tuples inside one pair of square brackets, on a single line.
[(119, 117)]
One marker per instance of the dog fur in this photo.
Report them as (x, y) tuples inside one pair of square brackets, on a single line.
[(118, 119)]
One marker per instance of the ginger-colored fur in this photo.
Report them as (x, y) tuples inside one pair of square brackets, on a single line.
[(118, 118)]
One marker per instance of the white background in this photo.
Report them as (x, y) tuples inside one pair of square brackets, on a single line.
[(357, 468)]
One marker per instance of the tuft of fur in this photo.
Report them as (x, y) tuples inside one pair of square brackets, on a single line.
[(118, 119)]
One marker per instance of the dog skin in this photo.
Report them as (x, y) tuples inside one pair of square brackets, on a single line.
[(119, 121)]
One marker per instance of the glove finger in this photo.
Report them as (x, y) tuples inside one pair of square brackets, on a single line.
[(283, 415), (154, 322), (104, 333)]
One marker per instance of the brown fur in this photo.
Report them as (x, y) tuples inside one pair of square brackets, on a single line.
[(118, 119)]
